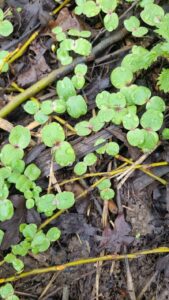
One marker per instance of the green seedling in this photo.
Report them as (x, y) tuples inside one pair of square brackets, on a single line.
[(6, 27)]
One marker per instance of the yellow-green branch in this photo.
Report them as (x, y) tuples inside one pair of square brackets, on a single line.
[(84, 262)]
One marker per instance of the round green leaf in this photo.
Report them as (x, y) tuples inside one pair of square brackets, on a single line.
[(121, 77), (112, 148), (64, 154), (64, 57), (47, 107), (152, 119), (107, 194), (130, 121), (40, 243), (135, 137), (6, 210), (140, 94), (156, 103), (30, 203), (9, 154), (45, 204), (64, 200), (82, 46), (31, 107), (59, 106), (6, 290), (139, 32), (151, 139), (132, 23), (52, 134), (90, 9), (108, 6), (152, 14), (165, 134), (6, 28), (103, 100), (53, 234), (32, 172), (80, 69), (29, 231), (40, 117), (111, 21), (65, 88), (117, 101), (83, 128), (96, 123), (20, 136), (76, 106), (104, 184), (90, 159), (80, 168)]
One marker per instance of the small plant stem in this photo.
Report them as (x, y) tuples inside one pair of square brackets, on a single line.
[(118, 171), (159, 164), (19, 89), (58, 73), (65, 123), (47, 221), (56, 10), (84, 262), (23, 48)]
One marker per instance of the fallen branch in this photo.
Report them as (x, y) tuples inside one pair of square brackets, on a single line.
[(84, 262)]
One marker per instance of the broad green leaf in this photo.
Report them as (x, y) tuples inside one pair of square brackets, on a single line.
[(76, 106), (21, 249), (152, 14), (108, 6), (64, 57), (78, 81), (80, 168), (64, 154), (47, 107), (139, 32), (82, 46), (6, 290), (104, 184), (40, 242), (111, 21), (32, 172), (130, 121), (53, 234), (156, 103), (6, 28), (30, 203), (112, 148), (151, 139), (152, 120), (121, 77), (20, 136), (83, 128), (132, 23), (140, 94), (64, 200), (96, 123), (59, 106), (6, 210), (107, 194), (40, 117), (45, 204), (52, 134), (65, 88), (165, 134), (80, 69), (10, 154), (135, 137), (31, 107), (90, 159), (90, 9)]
